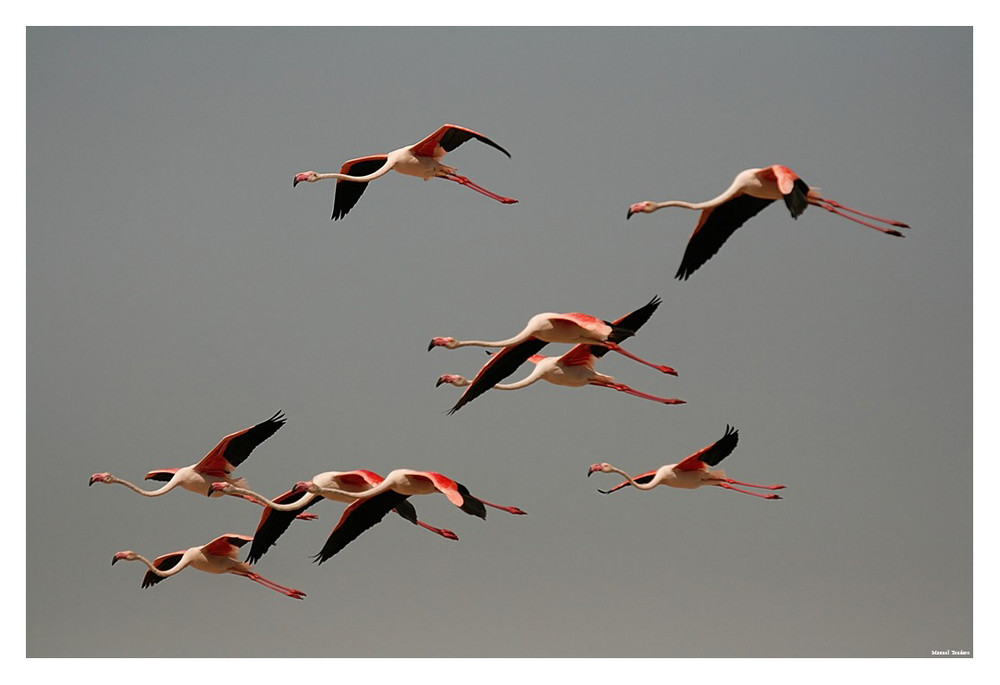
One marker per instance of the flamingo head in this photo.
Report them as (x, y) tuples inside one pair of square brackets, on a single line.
[(220, 486), (100, 478), (307, 176), (603, 467), (127, 555), (450, 343), (305, 486), (452, 378), (645, 207)]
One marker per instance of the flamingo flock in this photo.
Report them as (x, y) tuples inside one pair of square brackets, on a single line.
[(368, 496)]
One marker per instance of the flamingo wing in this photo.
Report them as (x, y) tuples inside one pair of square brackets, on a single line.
[(161, 474), (447, 138), (793, 188), (643, 479), (233, 449), (226, 545), (626, 326), (581, 355), (359, 516), (712, 454), (714, 227), (349, 192), (500, 366), (273, 523), (163, 563)]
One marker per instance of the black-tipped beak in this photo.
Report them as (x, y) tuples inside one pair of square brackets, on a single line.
[(295, 181), (209, 493), (589, 474), (629, 215), (431, 346), (90, 483), (440, 381), (114, 560)]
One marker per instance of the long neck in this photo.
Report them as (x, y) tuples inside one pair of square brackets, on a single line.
[(163, 574), (528, 331), (171, 484), (640, 486), (536, 374), (728, 194), (382, 171), (364, 494), (260, 499)]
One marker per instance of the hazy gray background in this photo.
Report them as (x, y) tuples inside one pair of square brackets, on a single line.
[(179, 289)]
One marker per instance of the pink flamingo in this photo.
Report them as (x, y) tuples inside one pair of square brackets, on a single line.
[(690, 473), (371, 506), (545, 328), (278, 514), (215, 467), (751, 191), (575, 369), (422, 160), (218, 556)]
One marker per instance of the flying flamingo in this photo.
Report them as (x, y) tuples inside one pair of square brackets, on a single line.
[(575, 369), (542, 329), (422, 160), (692, 472), (215, 467), (278, 514), (218, 556), (371, 506), (751, 191)]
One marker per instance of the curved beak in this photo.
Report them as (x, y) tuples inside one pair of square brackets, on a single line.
[(114, 560), (431, 346), (440, 381), (629, 215), (92, 481), (295, 181)]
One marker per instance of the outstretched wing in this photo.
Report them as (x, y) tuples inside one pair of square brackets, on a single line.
[(712, 454), (273, 523), (233, 449), (447, 138), (164, 563), (358, 517), (349, 192), (161, 474), (226, 545), (500, 366), (714, 228), (626, 326)]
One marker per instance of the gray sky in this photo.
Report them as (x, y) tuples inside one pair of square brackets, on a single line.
[(179, 289)]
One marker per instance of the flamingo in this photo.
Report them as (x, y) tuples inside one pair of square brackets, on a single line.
[(218, 556), (691, 472), (422, 160), (216, 466), (750, 192), (371, 506), (278, 514), (572, 328), (575, 369)]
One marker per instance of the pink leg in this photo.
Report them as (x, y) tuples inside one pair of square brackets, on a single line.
[(443, 532), (619, 350), (891, 222), (621, 387), (257, 578), (478, 188), (509, 510), (829, 208), (727, 486), (749, 485)]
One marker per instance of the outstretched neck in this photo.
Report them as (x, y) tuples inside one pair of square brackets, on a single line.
[(639, 486), (162, 574), (171, 484), (256, 497)]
